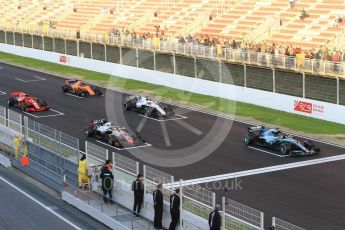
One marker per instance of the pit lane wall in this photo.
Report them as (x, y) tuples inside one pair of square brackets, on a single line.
[(296, 105)]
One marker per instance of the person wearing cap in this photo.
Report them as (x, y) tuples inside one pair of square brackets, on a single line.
[(174, 209), (107, 181), (138, 190), (158, 206), (215, 219)]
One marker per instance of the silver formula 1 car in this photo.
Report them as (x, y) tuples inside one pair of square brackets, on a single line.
[(147, 107)]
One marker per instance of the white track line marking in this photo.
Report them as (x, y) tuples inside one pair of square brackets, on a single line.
[(1, 67), (264, 151), (51, 115), (262, 170), (134, 147), (2, 93), (72, 95), (37, 79), (179, 117), (40, 204)]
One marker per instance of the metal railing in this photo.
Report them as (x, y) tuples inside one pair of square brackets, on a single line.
[(280, 224)]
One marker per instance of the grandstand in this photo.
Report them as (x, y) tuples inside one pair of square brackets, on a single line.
[(254, 21)]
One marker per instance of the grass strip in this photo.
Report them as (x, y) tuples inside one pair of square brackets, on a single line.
[(261, 114)]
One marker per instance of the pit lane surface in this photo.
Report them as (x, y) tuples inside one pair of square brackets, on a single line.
[(19, 211), (230, 156)]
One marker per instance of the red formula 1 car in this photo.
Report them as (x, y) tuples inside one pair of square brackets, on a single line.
[(27, 103)]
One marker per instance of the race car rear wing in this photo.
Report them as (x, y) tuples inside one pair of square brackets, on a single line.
[(252, 129)]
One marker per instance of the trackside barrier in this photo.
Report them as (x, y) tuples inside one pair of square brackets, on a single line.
[(126, 164), (96, 152), (52, 139), (239, 216), (279, 224), (15, 121), (2, 115), (157, 177)]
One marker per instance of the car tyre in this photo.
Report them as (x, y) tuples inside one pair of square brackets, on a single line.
[(284, 149), (11, 101), (249, 139), (89, 132), (65, 88)]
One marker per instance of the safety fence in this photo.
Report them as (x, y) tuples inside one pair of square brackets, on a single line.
[(279, 224), (51, 153), (2, 116), (274, 73)]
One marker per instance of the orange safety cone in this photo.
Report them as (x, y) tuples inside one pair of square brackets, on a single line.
[(25, 161)]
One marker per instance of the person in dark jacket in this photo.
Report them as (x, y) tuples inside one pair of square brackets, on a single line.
[(138, 189), (215, 219), (174, 209), (158, 206), (107, 181)]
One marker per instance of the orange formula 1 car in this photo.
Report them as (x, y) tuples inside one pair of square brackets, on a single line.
[(80, 88)]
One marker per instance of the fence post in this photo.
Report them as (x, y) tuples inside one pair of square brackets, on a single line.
[(262, 221), (338, 92), (91, 54), (195, 68), (213, 200), (273, 221), (42, 42), (144, 174), (78, 49), (220, 71), (137, 56), (32, 41), (303, 84), (121, 59), (86, 149), (154, 59), (5, 37), (174, 62), (105, 52), (172, 182), (22, 39), (274, 79), (26, 125), (54, 48), (137, 168), (106, 154), (223, 211), (245, 74), (21, 123), (181, 207)]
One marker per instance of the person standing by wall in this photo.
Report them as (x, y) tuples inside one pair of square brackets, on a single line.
[(107, 182), (174, 209), (158, 206), (83, 172), (215, 219), (138, 190)]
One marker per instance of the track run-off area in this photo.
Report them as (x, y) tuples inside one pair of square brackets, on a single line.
[(307, 191)]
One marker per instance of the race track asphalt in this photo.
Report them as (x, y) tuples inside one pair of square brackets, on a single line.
[(188, 138), (17, 211)]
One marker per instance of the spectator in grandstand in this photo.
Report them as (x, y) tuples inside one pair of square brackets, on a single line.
[(292, 3), (107, 182), (304, 14), (215, 219), (158, 206), (138, 190), (83, 169), (174, 209)]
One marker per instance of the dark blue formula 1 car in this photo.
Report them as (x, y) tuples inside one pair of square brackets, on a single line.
[(276, 140)]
